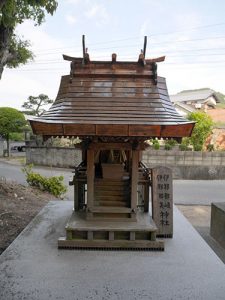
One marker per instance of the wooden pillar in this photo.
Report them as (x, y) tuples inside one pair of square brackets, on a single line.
[(76, 195), (146, 197), (134, 179), (90, 178)]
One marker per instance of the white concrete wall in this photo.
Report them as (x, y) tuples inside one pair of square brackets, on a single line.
[(185, 164)]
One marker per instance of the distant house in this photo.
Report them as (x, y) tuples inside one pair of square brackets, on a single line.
[(189, 101)]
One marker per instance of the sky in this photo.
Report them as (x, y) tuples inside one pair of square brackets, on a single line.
[(190, 33)]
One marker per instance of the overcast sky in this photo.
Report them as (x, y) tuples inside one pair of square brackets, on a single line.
[(190, 33)]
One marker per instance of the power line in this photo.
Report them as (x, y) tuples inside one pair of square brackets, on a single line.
[(138, 37), (153, 44), (131, 57)]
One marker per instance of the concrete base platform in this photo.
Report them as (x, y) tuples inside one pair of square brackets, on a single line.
[(34, 268), (83, 233)]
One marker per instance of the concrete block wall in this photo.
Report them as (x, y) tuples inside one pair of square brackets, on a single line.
[(188, 164), (53, 156), (185, 164)]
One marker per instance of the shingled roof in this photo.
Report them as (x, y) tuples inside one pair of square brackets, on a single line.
[(101, 98), (197, 95)]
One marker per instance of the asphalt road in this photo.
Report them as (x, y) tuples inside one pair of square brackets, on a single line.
[(12, 172), (186, 192)]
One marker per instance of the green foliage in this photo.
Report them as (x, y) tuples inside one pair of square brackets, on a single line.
[(155, 144), (11, 120), (184, 146), (16, 136), (20, 53), (34, 105), (13, 50), (210, 147), (202, 129), (169, 144), (14, 12), (172, 142), (54, 185)]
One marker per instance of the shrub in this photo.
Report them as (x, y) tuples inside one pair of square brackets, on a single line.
[(210, 147), (53, 185), (168, 146), (201, 130), (184, 146), (155, 144)]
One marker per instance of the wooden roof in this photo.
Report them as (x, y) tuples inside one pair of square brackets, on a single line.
[(112, 99)]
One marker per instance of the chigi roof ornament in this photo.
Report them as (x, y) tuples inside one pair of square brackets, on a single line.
[(114, 107)]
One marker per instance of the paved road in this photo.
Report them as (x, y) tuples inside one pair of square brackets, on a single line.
[(14, 173), (196, 192), (199, 192)]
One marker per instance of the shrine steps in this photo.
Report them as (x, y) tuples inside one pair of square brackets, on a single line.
[(111, 200), (120, 235)]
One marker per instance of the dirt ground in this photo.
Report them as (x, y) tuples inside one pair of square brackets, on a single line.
[(18, 206)]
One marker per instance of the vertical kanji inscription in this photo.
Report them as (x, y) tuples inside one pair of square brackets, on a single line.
[(162, 200)]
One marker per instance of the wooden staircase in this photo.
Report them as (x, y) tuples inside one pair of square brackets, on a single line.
[(111, 200), (112, 192)]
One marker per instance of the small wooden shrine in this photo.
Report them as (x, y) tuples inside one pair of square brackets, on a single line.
[(114, 107)]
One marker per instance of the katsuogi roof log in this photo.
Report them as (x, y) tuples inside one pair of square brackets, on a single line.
[(112, 98)]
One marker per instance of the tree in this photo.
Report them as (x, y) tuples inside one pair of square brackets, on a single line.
[(13, 50), (202, 129), (11, 121), (34, 105)]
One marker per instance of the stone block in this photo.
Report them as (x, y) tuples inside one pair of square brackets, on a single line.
[(162, 200), (207, 155), (223, 162), (216, 161), (206, 162), (197, 154), (217, 226), (188, 154)]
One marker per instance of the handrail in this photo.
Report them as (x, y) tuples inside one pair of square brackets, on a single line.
[(146, 171), (79, 168)]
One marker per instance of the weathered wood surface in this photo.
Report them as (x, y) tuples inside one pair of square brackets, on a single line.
[(134, 179), (90, 178), (118, 93), (102, 129)]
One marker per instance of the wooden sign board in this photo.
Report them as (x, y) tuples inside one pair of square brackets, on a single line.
[(162, 201)]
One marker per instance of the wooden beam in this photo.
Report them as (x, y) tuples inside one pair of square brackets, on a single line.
[(76, 196), (145, 45), (71, 58), (146, 197), (90, 178), (83, 45), (157, 59), (114, 57), (141, 59), (110, 146), (134, 179)]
